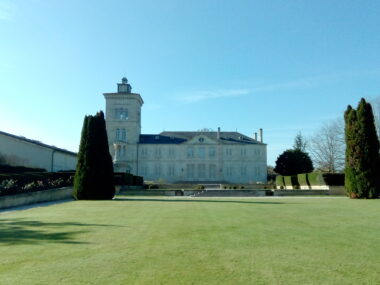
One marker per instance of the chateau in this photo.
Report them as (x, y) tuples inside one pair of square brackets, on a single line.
[(177, 156)]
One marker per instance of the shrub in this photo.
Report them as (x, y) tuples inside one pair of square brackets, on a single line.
[(292, 162), (200, 187), (153, 186), (94, 175)]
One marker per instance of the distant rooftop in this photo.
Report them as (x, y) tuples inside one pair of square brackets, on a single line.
[(172, 137)]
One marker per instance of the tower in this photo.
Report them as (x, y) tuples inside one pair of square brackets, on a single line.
[(123, 122)]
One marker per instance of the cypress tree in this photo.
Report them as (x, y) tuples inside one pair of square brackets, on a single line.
[(94, 176), (362, 152)]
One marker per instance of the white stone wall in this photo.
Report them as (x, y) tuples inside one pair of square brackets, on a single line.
[(18, 152), (210, 162)]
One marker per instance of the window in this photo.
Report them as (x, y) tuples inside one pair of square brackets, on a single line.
[(121, 114), (229, 171), (123, 135), (243, 171), (212, 170), (201, 140), (190, 152), (201, 170), (190, 171), (201, 152), (144, 152), (171, 152), (144, 170), (157, 152), (211, 152), (171, 170), (257, 172), (117, 134), (157, 169)]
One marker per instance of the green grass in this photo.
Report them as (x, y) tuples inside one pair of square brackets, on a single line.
[(193, 241)]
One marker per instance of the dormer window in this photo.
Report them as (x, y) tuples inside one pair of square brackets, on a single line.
[(201, 139)]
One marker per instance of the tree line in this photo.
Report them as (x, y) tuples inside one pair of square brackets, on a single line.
[(350, 146)]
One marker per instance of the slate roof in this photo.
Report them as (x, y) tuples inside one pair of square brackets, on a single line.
[(181, 137), (38, 143)]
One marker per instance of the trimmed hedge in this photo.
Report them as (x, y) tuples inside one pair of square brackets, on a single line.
[(280, 181), (303, 179), (334, 179), (291, 181), (316, 179)]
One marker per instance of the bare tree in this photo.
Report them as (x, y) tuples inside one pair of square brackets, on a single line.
[(375, 102), (327, 147), (300, 143)]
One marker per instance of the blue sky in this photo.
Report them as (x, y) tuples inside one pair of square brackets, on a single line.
[(284, 66)]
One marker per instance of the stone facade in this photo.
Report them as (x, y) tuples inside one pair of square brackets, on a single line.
[(202, 156), (20, 151)]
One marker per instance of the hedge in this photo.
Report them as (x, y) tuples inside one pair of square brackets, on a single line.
[(303, 179), (291, 181), (334, 179), (316, 179), (280, 181)]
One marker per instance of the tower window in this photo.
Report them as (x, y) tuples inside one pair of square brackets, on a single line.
[(121, 114)]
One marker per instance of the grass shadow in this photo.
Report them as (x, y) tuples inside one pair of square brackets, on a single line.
[(22, 231)]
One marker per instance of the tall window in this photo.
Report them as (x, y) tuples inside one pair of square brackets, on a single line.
[(190, 170), (201, 152), (171, 152), (243, 171), (157, 152), (171, 170), (190, 152), (123, 135), (117, 134), (157, 169), (229, 171), (211, 152), (212, 170), (144, 152), (201, 170)]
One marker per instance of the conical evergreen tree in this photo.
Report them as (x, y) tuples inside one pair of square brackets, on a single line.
[(362, 152), (94, 176)]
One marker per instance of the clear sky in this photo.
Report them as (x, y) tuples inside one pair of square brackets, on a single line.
[(284, 66)]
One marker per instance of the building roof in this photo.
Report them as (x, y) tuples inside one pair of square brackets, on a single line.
[(181, 137), (38, 143)]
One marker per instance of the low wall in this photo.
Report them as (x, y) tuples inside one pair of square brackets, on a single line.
[(35, 197), (279, 193), (233, 193)]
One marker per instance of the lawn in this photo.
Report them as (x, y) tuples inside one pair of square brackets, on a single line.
[(193, 241)]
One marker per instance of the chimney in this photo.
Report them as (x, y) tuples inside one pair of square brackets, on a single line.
[(255, 136), (218, 134), (261, 135)]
